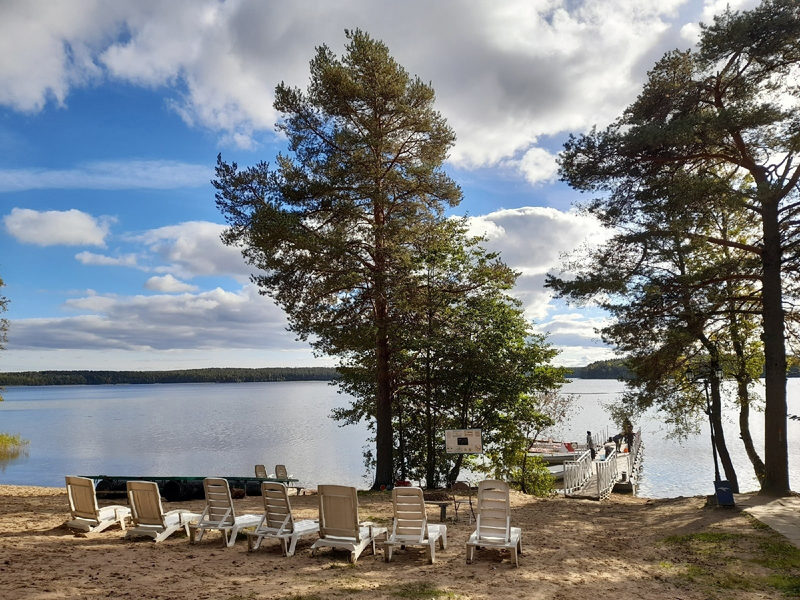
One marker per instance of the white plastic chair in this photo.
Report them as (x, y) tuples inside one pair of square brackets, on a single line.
[(219, 514), (410, 525), (278, 522), (85, 513), (338, 522), (493, 521), (148, 516)]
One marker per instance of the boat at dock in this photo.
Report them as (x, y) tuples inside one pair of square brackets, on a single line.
[(554, 453)]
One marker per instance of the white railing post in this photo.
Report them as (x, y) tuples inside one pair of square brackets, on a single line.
[(577, 472)]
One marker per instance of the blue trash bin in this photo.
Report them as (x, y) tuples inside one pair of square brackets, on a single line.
[(724, 493)]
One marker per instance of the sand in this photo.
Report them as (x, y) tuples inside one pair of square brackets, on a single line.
[(572, 549)]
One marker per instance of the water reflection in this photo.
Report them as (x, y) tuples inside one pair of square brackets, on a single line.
[(11, 453), (226, 429)]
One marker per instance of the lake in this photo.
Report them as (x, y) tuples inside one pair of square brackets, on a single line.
[(225, 429)]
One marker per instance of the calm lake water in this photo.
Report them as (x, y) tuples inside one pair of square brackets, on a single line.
[(225, 429)]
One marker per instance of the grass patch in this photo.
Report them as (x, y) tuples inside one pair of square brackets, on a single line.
[(757, 560), (422, 590), (788, 584), (303, 597)]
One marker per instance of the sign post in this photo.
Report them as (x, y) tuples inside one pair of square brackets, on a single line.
[(463, 441)]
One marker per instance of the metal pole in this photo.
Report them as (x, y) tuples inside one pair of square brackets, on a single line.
[(711, 425)]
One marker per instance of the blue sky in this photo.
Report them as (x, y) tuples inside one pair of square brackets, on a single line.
[(112, 115)]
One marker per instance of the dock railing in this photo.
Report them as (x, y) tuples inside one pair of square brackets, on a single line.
[(606, 475), (635, 457), (577, 472)]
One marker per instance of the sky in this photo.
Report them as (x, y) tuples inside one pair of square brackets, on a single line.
[(112, 115)]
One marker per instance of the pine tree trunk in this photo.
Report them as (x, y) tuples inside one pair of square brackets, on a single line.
[(776, 460), (744, 432), (384, 469), (743, 395), (719, 437)]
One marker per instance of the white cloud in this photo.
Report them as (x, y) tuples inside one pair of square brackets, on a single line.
[(210, 320), (169, 285), (531, 240), (194, 248), (109, 175), (537, 165), (57, 228), (506, 73), (90, 258)]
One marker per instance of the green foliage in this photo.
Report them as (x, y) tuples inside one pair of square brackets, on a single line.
[(10, 443), (12, 447), (465, 358), (533, 477), (756, 560), (213, 375), (422, 590), (699, 177), (335, 228), (604, 369)]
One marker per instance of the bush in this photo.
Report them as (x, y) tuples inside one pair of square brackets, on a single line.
[(532, 477)]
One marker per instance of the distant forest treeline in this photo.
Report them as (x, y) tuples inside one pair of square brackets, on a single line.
[(216, 375), (601, 369), (615, 369)]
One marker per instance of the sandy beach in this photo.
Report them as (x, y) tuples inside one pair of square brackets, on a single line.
[(572, 549)]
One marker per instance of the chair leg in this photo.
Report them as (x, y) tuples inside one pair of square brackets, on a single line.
[(431, 552), (470, 550), (251, 542), (387, 552), (290, 550), (443, 540), (514, 556)]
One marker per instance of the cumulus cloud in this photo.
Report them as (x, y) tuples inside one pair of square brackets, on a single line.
[(169, 285), (537, 165), (194, 248), (90, 258), (530, 240), (505, 73), (215, 319), (57, 228), (109, 175)]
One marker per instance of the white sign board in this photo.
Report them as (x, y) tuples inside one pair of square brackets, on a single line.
[(463, 441)]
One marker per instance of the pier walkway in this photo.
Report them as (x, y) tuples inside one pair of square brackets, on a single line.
[(596, 479), (781, 514)]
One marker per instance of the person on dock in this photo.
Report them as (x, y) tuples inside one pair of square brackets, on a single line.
[(590, 443), (618, 441), (609, 447), (627, 431)]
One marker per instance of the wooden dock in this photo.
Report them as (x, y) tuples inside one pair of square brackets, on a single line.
[(605, 477)]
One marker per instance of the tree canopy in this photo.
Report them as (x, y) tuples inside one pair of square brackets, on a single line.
[(713, 130), (333, 227)]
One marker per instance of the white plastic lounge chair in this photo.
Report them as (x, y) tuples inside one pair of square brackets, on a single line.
[(278, 522), (338, 522), (411, 524), (148, 516), (462, 494), (494, 521), (85, 513), (261, 472), (219, 513), (282, 473)]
